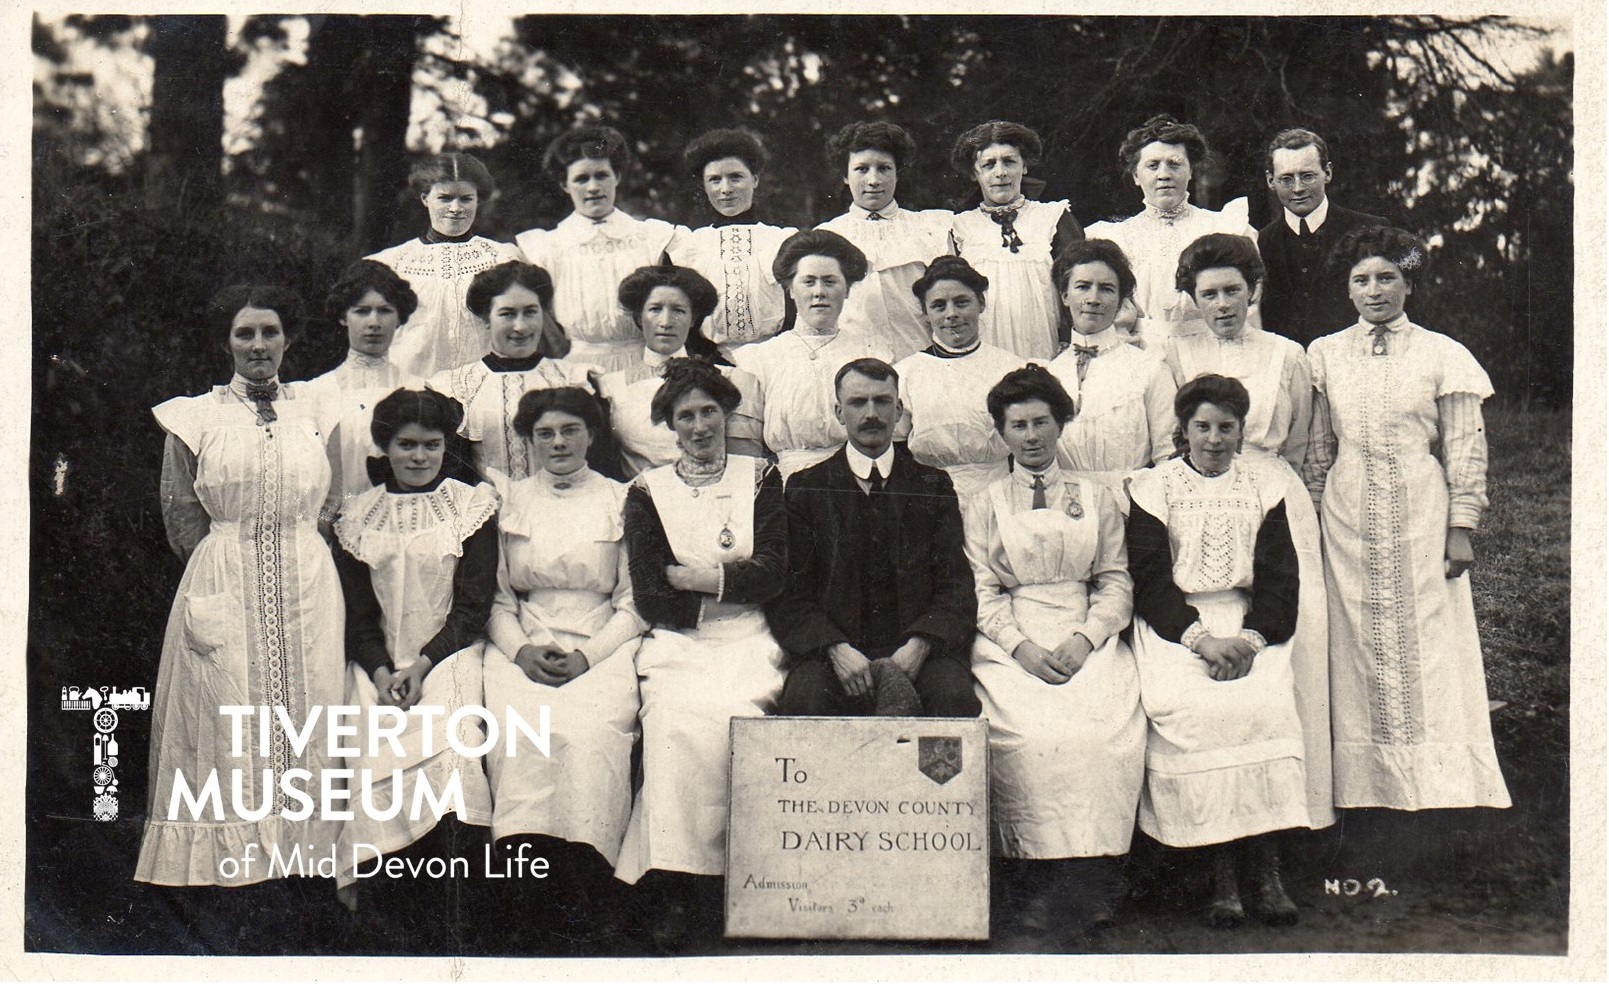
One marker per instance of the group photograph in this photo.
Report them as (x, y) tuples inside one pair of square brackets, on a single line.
[(447, 429)]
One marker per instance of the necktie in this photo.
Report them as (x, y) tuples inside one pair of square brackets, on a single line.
[(875, 215), (1039, 492), (1006, 220), (1085, 354), (874, 482), (1380, 334), (263, 395), (1302, 228)]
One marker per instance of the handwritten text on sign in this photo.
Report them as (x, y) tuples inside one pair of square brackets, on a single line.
[(858, 828)]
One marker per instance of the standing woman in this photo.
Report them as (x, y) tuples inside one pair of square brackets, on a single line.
[(512, 300), (595, 247), (1223, 275), (943, 388), (1215, 595), (257, 619), (1122, 394), (1058, 685), (707, 542), (670, 305), (564, 635), (796, 369), (896, 242), (1012, 239), (440, 262), (418, 562), (734, 248), (1399, 458), (369, 301), (1160, 157)]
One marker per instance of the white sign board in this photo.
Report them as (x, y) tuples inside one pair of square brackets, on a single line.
[(858, 828)]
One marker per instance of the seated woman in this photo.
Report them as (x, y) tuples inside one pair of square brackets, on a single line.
[(440, 333), (1222, 274), (707, 542), (595, 247), (943, 387), (1011, 238), (796, 369), (512, 300), (670, 305), (418, 562), (369, 302), (734, 248), (1058, 685), (1215, 608), (564, 636)]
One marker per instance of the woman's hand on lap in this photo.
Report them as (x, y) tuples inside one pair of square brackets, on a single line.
[(1041, 662)]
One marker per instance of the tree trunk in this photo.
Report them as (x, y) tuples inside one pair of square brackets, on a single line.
[(182, 166)]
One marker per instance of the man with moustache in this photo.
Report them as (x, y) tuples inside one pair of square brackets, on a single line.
[(877, 569), (1301, 299)]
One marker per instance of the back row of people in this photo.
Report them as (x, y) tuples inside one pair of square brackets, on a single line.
[(1002, 229)]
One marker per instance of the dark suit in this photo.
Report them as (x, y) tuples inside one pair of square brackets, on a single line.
[(875, 570), (1303, 298)]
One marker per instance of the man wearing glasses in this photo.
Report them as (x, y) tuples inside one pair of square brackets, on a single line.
[(1301, 299)]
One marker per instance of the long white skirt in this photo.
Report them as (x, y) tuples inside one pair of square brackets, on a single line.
[(453, 683), (581, 791), (1066, 762), (1223, 760), (1310, 646), (692, 684)]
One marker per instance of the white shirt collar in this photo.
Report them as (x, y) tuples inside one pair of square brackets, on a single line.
[(1024, 476), (890, 211), (1315, 219), (658, 360), (861, 465), (1395, 325), (1105, 339)]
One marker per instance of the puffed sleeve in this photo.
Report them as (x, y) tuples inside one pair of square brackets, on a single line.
[(183, 517), (1159, 419), (747, 421), (1068, 232), (1275, 584), (760, 577), (1111, 601), (1157, 598), (995, 618), (1463, 455), (648, 551)]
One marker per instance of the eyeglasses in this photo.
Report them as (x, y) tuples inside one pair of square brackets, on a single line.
[(1303, 179)]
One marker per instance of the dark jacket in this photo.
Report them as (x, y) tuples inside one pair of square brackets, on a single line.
[(821, 603), (1302, 298)]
